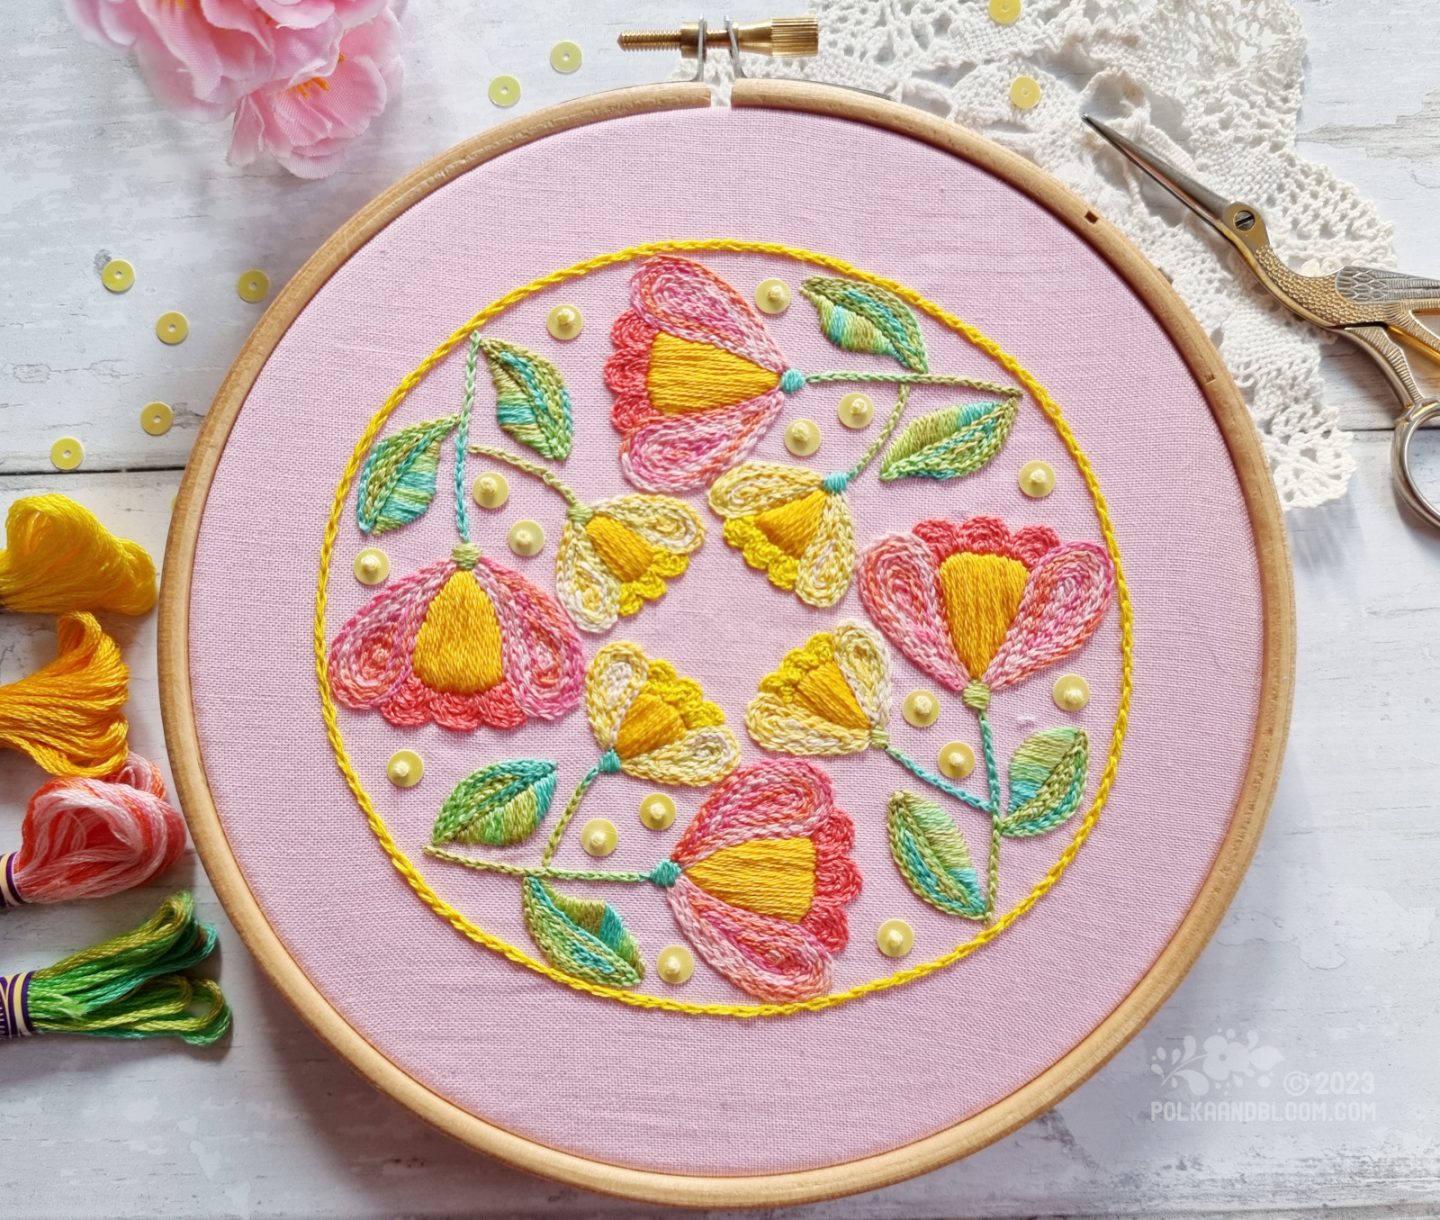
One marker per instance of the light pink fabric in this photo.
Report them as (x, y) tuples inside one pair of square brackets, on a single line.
[(664, 1091)]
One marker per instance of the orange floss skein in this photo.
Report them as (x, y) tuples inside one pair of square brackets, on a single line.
[(67, 716), (89, 838), (61, 559)]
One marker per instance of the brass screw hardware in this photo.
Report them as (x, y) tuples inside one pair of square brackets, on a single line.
[(781, 36)]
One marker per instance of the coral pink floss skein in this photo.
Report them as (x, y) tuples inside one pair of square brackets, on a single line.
[(86, 838)]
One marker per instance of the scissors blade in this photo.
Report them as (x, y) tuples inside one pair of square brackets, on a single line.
[(1201, 200)]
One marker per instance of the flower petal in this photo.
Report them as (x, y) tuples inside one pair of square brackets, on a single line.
[(544, 663), (779, 798), (786, 727), (837, 882), (627, 371), (371, 655), (685, 298), (1066, 597), (587, 588), (683, 452), (616, 675), (662, 521), (756, 486), (828, 563), (897, 585), (697, 760), (987, 536), (863, 659), (765, 957)]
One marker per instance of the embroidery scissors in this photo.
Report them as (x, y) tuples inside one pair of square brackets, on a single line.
[(1371, 307)]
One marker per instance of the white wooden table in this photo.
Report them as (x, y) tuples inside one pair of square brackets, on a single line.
[(1329, 955)]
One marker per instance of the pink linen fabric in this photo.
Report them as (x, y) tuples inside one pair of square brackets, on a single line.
[(671, 1092)]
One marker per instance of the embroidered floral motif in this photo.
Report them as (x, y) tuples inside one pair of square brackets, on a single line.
[(760, 880), (791, 524), (979, 607), (463, 642), (654, 724), (696, 377)]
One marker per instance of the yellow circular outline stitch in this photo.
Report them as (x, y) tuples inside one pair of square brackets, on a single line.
[(458, 920)]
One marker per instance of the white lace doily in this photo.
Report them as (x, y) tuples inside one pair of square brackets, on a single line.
[(1212, 85)]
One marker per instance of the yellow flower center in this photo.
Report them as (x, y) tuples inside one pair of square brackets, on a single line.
[(982, 594), (458, 649), (768, 876), (791, 526), (621, 549), (650, 722), (686, 375), (824, 691)]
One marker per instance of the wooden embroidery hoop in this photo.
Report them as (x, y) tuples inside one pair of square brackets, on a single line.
[(1066, 1073)]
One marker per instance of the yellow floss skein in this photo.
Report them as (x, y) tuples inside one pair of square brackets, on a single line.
[(67, 715), (61, 559)]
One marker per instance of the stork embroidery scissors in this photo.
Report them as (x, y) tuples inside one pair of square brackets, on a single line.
[(1369, 306)]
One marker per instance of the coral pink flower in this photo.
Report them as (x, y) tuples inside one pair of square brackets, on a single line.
[(463, 642), (308, 126), (979, 607), (760, 880), (696, 377)]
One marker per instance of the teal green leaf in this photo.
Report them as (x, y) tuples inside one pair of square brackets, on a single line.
[(497, 805), (531, 401), (582, 937), (930, 853), (397, 481), (950, 443), (1047, 781), (863, 318)]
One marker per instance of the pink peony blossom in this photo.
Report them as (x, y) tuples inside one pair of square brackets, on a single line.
[(203, 58), (308, 125)]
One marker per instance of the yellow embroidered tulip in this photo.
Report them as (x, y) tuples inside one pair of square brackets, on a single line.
[(616, 555), (830, 697), (654, 724), (792, 524)]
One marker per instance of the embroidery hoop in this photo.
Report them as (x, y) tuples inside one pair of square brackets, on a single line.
[(1063, 1075)]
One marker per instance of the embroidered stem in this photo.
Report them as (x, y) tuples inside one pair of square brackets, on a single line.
[(533, 870), (462, 437), (992, 777), (572, 806), (935, 781), (535, 471), (873, 450), (973, 383)]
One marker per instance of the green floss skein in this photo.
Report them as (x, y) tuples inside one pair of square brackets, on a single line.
[(131, 986)]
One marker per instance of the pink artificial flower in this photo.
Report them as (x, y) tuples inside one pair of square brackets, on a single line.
[(200, 57), (307, 126)]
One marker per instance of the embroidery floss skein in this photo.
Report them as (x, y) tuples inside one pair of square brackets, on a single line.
[(128, 987), (89, 838), (67, 715), (61, 559)]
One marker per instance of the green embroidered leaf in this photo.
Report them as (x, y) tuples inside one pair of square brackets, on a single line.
[(397, 481), (584, 937), (862, 318), (1047, 780), (950, 443), (531, 401), (497, 805), (930, 853)]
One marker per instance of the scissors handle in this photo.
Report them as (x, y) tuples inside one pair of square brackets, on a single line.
[(1416, 416)]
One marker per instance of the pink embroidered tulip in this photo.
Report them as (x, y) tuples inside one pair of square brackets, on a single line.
[(760, 880), (464, 642), (199, 57), (308, 126), (979, 607), (696, 377)]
